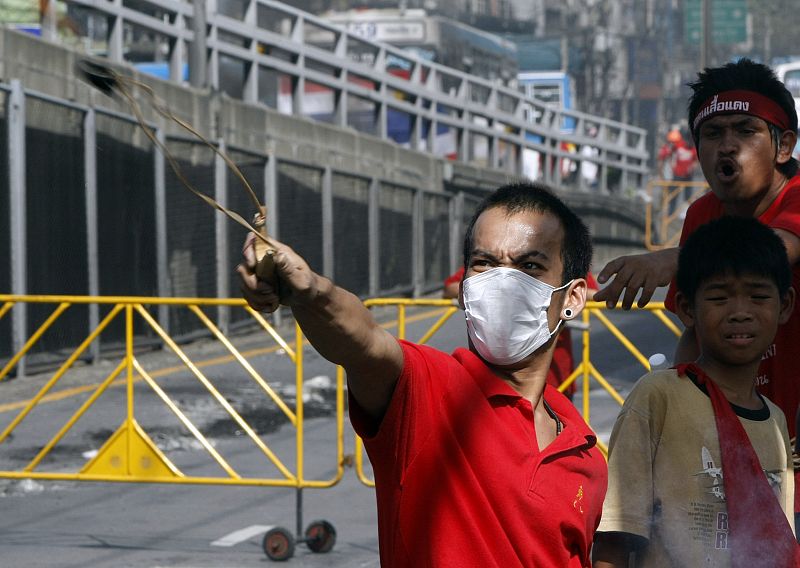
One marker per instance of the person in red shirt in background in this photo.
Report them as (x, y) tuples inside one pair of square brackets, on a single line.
[(477, 461), (744, 123), (563, 363), (679, 155), (681, 159)]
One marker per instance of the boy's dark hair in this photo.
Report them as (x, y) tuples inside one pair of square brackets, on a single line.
[(744, 74), (576, 250), (732, 245)]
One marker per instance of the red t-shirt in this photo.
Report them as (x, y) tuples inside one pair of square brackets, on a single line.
[(460, 480)]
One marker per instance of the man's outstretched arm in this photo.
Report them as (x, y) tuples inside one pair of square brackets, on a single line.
[(335, 321), (636, 272)]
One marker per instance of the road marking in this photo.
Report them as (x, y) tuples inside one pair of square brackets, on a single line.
[(241, 535)]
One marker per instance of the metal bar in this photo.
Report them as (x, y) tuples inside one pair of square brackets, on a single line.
[(437, 325), (215, 393), (328, 259), (373, 242), (75, 417), (245, 364), (160, 204), (131, 419), (92, 232), (274, 334), (223, 265), (298, 383), (186, 422), (33, 339), (17, 208), (417, 244), (63, 369), (622, 339)]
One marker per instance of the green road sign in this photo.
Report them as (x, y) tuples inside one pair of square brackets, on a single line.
[(728, 21)]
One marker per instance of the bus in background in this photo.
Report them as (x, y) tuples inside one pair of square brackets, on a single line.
[(789, 73), (555, 88), (552, 87)]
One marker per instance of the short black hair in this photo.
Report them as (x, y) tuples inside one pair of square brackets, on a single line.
[(576, 250), (732, 245), (744, 74)]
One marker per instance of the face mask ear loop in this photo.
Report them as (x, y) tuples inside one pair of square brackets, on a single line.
[(552, 333)]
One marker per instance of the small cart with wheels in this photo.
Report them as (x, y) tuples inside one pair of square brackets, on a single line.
[(279, 543)]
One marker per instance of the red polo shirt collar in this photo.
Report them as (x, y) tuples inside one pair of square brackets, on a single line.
[(493, 386)]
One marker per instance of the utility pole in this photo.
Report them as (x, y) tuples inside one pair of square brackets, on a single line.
[(705, 47)]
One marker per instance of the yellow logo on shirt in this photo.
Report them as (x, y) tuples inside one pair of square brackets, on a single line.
[(578, 498)]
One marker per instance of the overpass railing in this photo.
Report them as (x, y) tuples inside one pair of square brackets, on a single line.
[(263, 51)]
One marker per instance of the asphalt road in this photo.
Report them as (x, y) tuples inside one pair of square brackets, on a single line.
[(69, 524)]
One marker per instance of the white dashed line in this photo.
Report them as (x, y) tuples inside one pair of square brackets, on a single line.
[(241, 535)]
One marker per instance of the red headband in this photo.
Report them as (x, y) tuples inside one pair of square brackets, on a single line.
[(742, 102)]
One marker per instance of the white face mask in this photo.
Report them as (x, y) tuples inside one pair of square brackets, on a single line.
[(506, 312)]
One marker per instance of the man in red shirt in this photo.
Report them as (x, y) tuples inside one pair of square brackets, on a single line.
[(680, 156), (682, 159), (744, 124), (477, 461)]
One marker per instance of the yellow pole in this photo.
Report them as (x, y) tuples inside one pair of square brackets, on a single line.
[(129, 364), (585, 364), (299, 400)]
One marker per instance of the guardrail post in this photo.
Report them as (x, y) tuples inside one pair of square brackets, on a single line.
[(456, 230), (90, 177), (163, 283), (374, 235), (198, 55), (327, 223), (417, 243), (18, 215), (220, 228), (250, 92), (116, 29), (271, 203)]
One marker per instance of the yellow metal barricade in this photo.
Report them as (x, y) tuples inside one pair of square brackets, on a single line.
[(130, 454), (667, 202)]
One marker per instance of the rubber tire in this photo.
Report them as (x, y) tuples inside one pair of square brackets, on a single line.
[(278, 544), (320, 536)]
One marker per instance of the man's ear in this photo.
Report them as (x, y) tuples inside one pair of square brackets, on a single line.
[(786, 145), (787, 305), (684, 309), (574, 299), (461, 291)]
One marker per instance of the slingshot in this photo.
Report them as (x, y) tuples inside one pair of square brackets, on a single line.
[(109, 82)]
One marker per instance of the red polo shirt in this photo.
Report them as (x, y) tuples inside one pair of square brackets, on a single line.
[(779, 373), (459, 477)]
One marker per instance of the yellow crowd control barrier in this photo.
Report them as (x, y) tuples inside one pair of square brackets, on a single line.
[(129, 454), (667, 202), (585, 370)]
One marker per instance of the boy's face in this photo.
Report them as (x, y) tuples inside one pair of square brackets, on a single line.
[(738, 157), (735, 317)]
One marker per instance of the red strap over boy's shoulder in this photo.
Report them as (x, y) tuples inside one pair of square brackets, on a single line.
[(756, 520)]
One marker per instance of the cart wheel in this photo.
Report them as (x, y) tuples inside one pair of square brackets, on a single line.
[(320, 536), (278, 544)]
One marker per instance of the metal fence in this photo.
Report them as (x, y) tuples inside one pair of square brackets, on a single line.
[(93, 210), (263, 51)]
